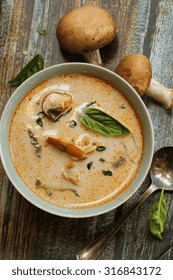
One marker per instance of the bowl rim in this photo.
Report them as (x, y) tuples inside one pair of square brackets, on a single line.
[(67, 68)]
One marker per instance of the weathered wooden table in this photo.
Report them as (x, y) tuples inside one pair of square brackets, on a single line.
[(27, 232)]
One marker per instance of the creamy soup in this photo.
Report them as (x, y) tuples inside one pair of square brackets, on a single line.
[(62, 160)]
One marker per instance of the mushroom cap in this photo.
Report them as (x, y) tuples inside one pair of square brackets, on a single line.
[(136, 69), (85, 29), (55, 104)]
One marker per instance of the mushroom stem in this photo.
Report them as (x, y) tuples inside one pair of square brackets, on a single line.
[(93, 57), (161, 94)]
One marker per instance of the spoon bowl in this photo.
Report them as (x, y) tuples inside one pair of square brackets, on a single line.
[(161, 173), (161, 170)]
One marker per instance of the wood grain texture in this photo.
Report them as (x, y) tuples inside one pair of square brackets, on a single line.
[(27, 232)]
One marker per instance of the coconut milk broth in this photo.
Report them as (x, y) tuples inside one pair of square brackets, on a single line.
[(43, 172)]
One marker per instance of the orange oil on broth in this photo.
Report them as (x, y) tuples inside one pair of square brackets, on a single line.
[(48, 173)]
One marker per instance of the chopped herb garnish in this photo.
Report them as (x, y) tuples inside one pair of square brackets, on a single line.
[(107, 172), (122, 107), (72, 123), (42, 31), (100, 148), (102, 159), (89, 165), (39, 121)]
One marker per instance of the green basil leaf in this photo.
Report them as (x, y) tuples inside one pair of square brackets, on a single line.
[(42, 31), (102, 123), (101, 148), (89, 165), (107, 172), (39, 121), (157, 216), (36, 64)]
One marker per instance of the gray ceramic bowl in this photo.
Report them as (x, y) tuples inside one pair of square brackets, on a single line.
[(129, 93)]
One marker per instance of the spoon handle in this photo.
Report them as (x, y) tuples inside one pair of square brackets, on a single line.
[(96, 247)]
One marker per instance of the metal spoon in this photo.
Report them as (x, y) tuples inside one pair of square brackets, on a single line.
[(161, 173)]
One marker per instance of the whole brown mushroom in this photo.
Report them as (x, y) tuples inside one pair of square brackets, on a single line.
[(85, 30), (136, 69)]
